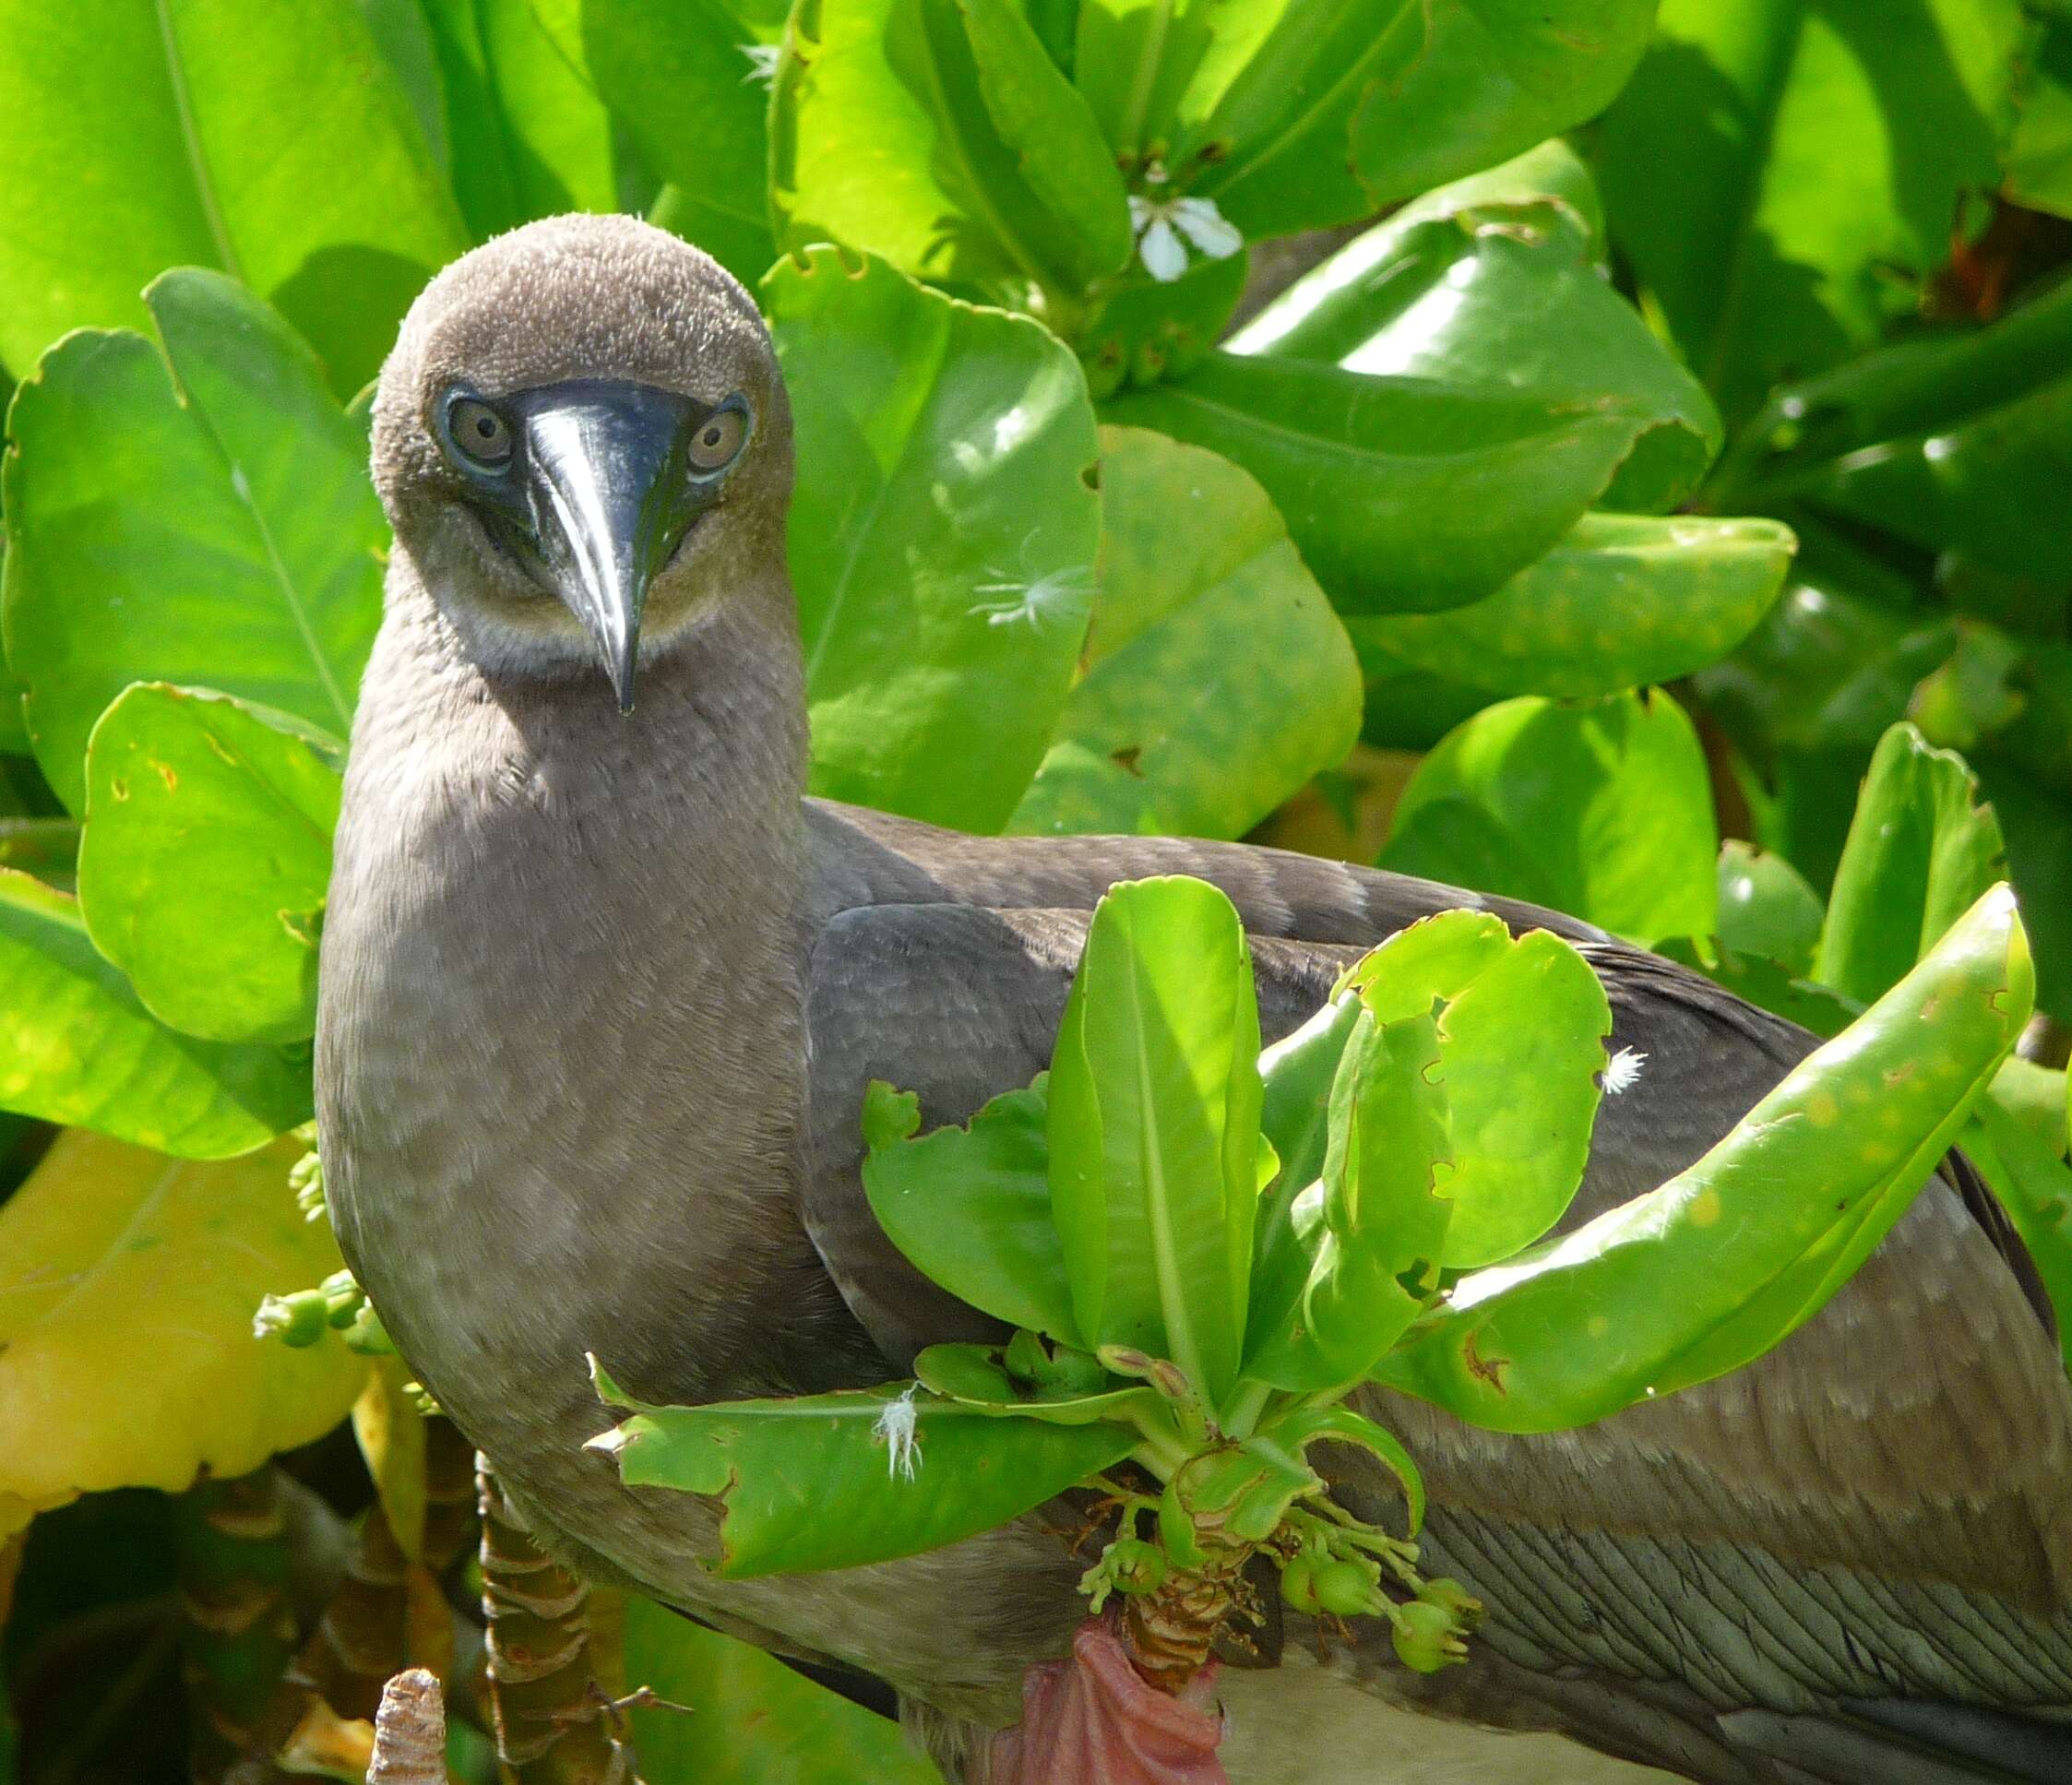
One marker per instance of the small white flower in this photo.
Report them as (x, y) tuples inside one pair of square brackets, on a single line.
[(1159, 223), (1622, 1072), (894, 1429), (762, 62)]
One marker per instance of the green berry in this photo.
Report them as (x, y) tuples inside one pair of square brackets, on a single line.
[(1450, 1595), (1426, 1638), (1345, 1588), (298, 1320), (1298, 1584)]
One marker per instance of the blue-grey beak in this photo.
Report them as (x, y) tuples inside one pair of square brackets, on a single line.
[(606, 479)]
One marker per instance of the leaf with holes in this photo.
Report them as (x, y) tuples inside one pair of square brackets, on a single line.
[(204, 862), (235, 507), (1191, 555)]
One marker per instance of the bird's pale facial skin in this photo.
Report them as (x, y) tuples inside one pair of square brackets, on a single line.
[(592, 487)]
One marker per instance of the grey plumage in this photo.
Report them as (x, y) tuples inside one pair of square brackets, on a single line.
[(600, 998)]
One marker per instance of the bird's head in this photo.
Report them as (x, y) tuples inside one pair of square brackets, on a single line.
[(582, 442)]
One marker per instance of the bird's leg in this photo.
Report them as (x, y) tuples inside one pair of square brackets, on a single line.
[(554, 1724)]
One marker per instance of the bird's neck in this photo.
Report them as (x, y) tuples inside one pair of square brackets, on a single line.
[(562, 1051)]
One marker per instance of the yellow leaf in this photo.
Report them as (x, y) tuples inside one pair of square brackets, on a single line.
[(127, 1283), (391, 1435)]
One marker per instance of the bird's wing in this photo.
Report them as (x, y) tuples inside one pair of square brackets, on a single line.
[(1876, 1509)]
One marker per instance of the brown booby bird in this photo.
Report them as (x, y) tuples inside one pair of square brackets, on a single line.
[(601, 991)]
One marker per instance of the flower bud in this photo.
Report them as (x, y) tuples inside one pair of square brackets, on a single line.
[(1297, 1583), (1137, 1566), (1345, 1588), (298, 1320), (1425, 1636)]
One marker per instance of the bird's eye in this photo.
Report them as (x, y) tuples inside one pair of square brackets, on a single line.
[(480, 434), (718, 439)]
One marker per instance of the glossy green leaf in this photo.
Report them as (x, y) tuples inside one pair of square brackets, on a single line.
[(2036, 1097), (1320, 114), (970, 1207), (1784, 175), (1154, 1127), (1342, 1424), (757, 1721), (1827, 669), (942, 539), (1403, 494), (1708, 1271), (940, 135), (1621, 602), (1757, 979), (1922, 385), (822, 1482), (1133, 60), (138, 138), (680, 80), (80, 1048), (2037, 822), (1766, 906), (1521, 1036), (2034, 1186), (205, 860), (1602, 809), (2039, 152), (1384, 1211), (1193, 555), (973, 1375), (1986, 487), (1296, 1074), (1143, 331), (1920, 851), (528, 138), (237, 508), (1492, 283)]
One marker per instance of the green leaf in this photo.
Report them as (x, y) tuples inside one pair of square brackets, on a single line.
[(1193, 556), (2037, 1098), (271, 142), (1924, 384), (528, 138), (817, 1482), (1154, 1127), (127, 1282), (758, 1722), (1784, 175), (1492, 283), (940, 135), (942, 539), (1133, 60), (1766, 906), (1974, 488), (970, 1207), (1145, 331), (1727, 1258), (1403, 494), (1324, 114), (1759, 981), (1383, 1212), (973, 1375), (1521, 1027), (1600, 809), (205, 860), (1623, 601), (2034, 1186), (679, 82), (1297, 1075), (153, 518), (2039, 152), (1308, 1425), (82, 1050), (1920, 851)]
